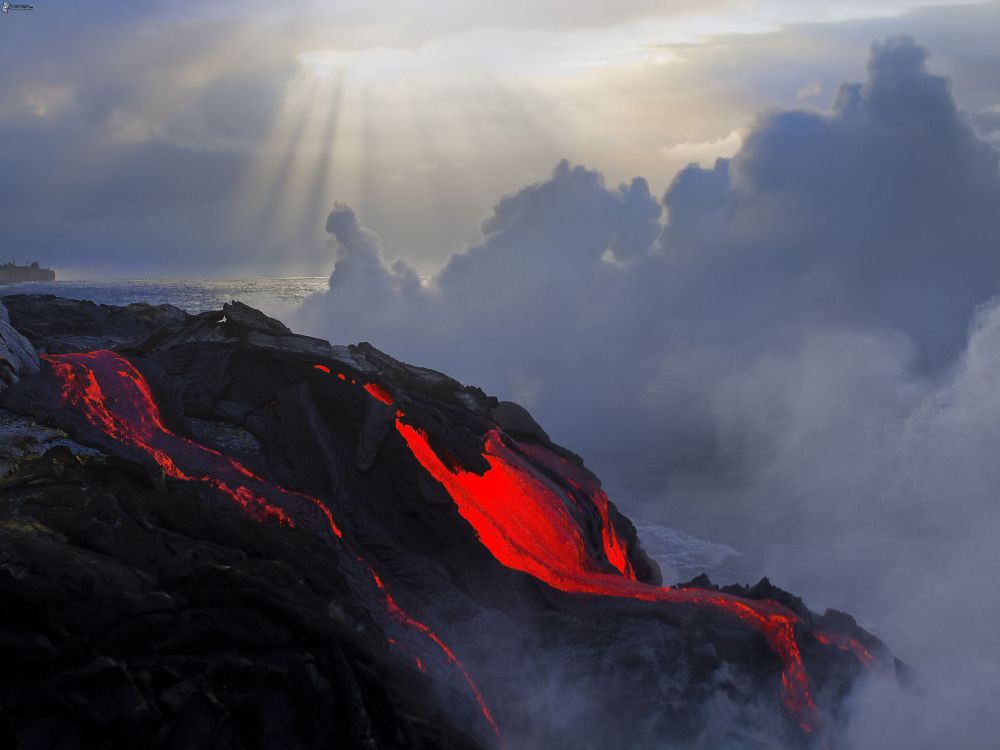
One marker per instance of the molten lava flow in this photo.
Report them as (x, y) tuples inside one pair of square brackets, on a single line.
[(848, 644), (614, 548), (404, 618), (522, 520), (378, 392), (525, 524), (114, 397)]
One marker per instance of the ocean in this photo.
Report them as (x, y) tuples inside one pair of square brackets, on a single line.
[(194, 295)]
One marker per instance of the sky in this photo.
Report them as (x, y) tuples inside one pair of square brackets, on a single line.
[(743, 256), (165, 139)]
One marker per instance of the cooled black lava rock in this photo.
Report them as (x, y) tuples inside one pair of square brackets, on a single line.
[(56, 324), (136, 615), (151, 611)]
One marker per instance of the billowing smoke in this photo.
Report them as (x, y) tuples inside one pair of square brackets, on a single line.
[(804, 338)]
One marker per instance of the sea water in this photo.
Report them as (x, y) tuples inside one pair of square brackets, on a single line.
[(194, 295)]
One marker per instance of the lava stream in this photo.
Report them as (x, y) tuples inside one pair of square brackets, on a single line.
[(114, 397), (614, 548), (404, 618), (524, 523), (522, 520), (847, 644)]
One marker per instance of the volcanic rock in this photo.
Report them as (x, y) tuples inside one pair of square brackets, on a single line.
[(270, 541), (56, 324)]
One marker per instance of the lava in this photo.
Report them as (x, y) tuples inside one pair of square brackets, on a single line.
[(401, 616), (522, 519), (848, 644), (614, 548), (114, 398), (524, 523), (378, 392)]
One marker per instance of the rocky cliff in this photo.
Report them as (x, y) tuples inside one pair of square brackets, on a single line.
[(217, 533)]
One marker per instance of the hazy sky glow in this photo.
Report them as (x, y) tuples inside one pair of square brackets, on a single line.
[(180, 140)]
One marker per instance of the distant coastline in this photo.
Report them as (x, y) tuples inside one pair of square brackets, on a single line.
[(11, 273)]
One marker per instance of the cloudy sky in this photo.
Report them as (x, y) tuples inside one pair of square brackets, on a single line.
[(166, 139)]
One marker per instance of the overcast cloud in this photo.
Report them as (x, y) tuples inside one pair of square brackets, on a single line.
[(165, 139)]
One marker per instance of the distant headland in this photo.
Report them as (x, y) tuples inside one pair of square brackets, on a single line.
[(11, 273)]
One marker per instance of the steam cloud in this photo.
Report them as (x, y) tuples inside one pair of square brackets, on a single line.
[(807, 336)]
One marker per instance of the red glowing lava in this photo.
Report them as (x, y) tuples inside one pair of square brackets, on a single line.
[(614, 548), (114, 397), (404, 618), (522, 519), (525, 524), (848, 644), (380, 393)]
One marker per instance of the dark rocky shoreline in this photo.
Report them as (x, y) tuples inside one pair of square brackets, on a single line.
[(142, 610)]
